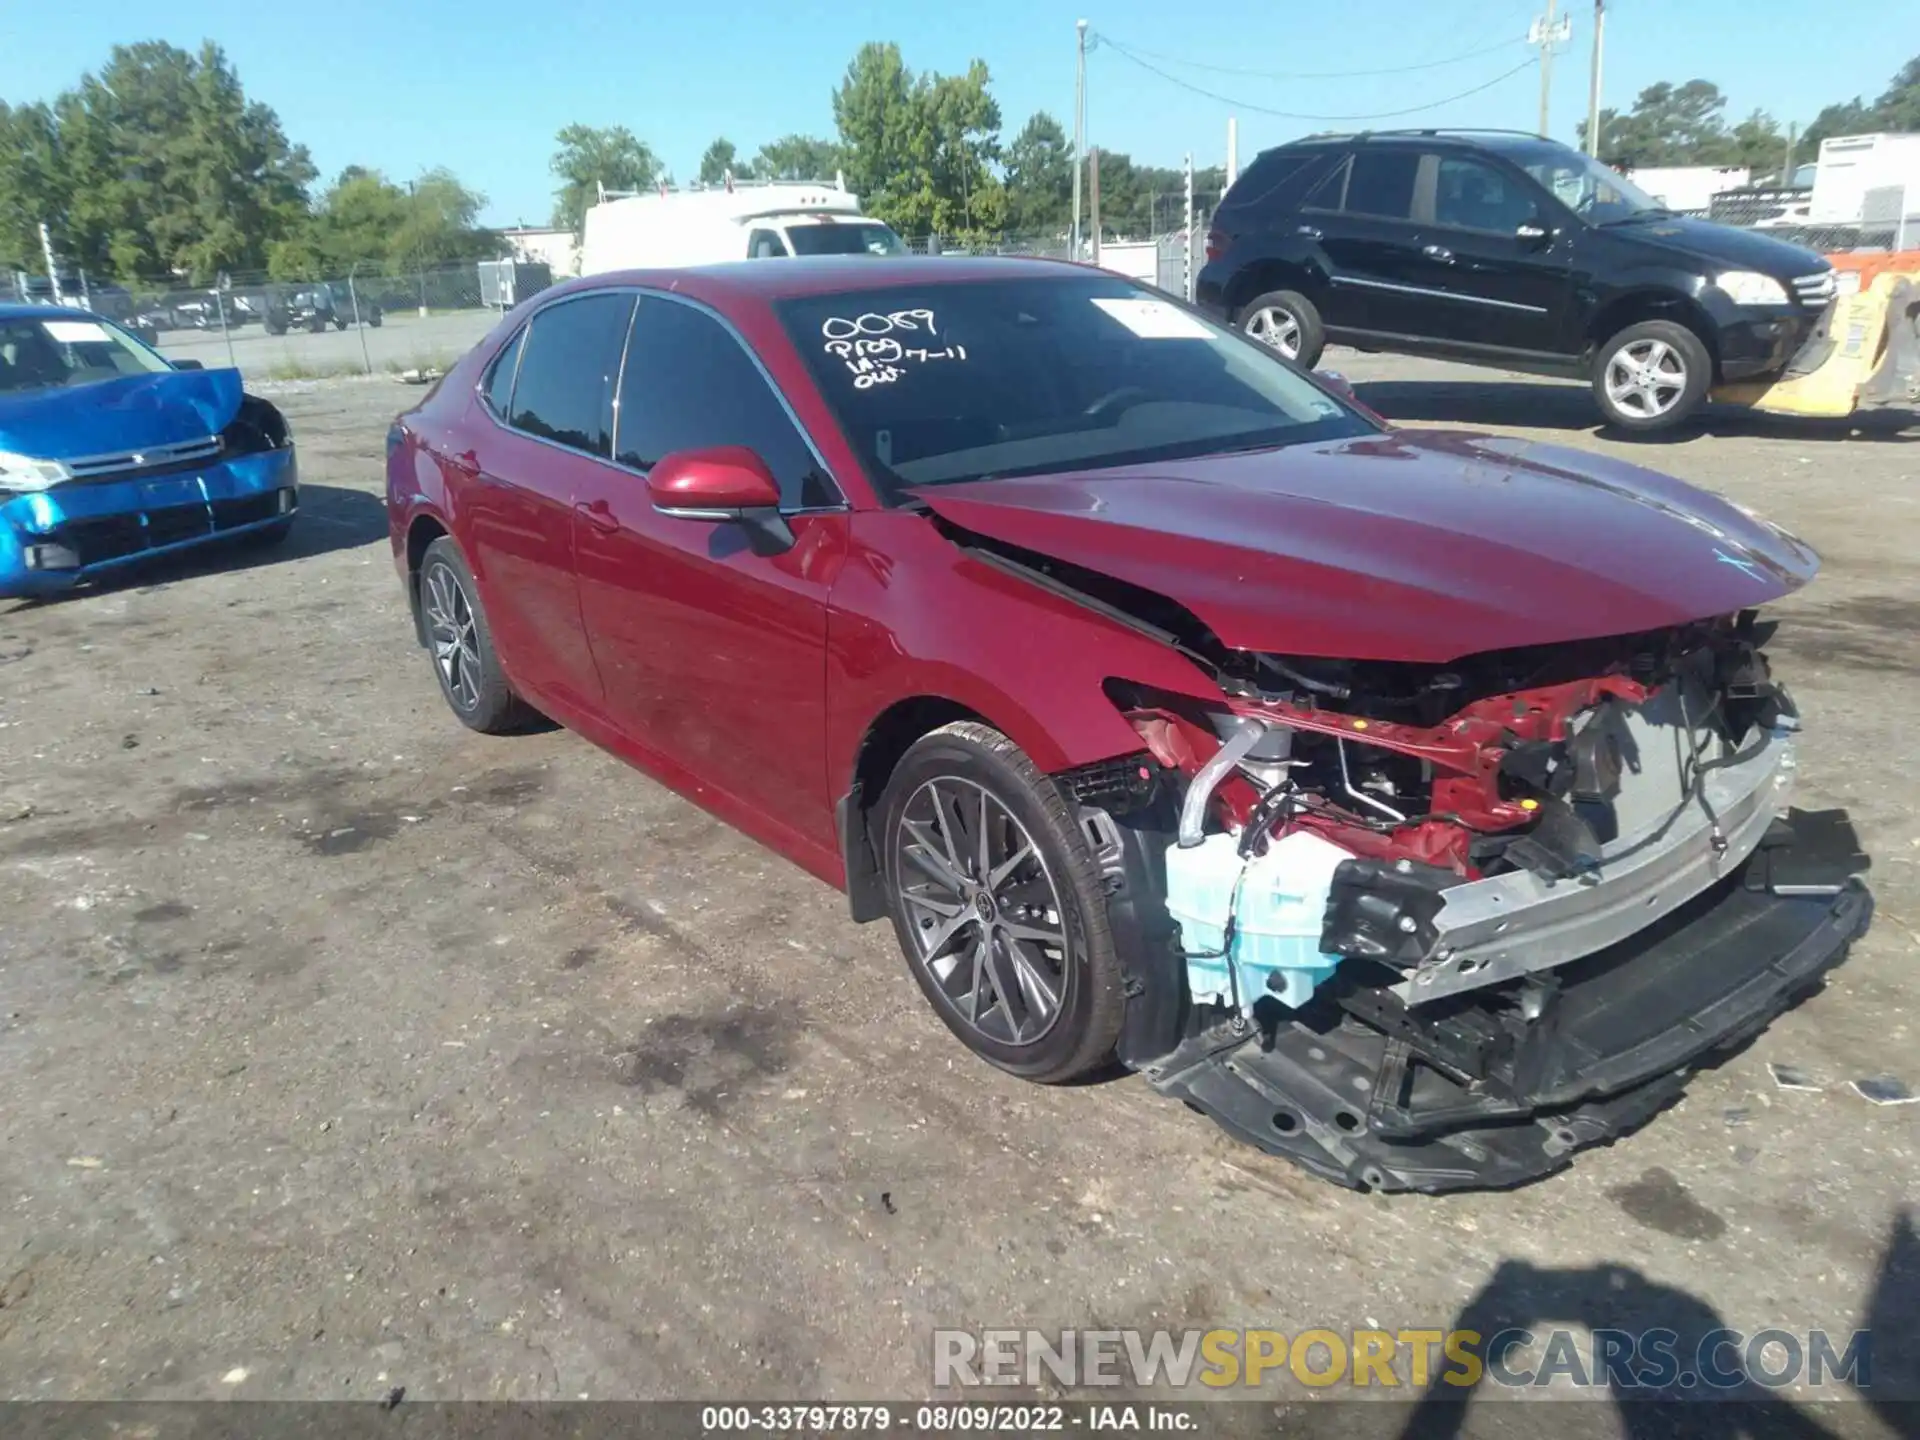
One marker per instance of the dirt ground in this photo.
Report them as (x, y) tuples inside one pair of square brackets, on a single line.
[(342, 1049)]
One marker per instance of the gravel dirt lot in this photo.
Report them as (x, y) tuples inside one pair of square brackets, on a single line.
[(343, 1049)]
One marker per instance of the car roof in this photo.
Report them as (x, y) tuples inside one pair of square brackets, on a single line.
[(786, 279), (15, 311), (1425, 139)]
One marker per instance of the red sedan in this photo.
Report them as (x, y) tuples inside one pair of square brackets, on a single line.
[(1413, 803)]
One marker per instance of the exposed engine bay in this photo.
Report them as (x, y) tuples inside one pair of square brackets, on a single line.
[(1436, 927)]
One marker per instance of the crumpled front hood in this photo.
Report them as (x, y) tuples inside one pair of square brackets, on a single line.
[(162, 408), (1417, 546)]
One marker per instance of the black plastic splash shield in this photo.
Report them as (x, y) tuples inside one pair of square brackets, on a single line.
[(1626, 1030)]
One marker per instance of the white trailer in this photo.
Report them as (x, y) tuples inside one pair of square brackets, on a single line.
[(1851, 166), (749, 220)]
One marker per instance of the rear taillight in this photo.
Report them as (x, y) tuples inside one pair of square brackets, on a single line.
[(1216, 244)]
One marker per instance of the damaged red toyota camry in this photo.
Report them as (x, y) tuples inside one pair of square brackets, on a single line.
[(1413, 803)]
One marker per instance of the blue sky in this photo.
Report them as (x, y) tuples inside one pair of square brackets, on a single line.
[(482, 85)]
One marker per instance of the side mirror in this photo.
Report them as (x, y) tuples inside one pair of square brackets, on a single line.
[(722, 483), (188, 365)]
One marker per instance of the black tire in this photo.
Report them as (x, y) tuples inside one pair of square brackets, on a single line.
[(267, 536), (1651, 406), (972, 761), (488, 704), (276, 327), (1287, 321), (339, 323), (318, 325), (374, 320)]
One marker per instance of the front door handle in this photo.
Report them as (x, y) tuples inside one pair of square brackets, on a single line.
[(599, 515), (1312, 232), (1437, 252)]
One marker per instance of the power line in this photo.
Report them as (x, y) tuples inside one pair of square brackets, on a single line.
[(1296, 115), (1320, 74)]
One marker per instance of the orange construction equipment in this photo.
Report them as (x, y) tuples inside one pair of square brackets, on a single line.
[(1865, 352)]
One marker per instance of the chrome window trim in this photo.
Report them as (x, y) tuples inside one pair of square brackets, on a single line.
[(1439, 294)]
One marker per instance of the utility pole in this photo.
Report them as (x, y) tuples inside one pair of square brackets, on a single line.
[(1079, 134), (1186, 238), (1546, 34), (1093, 200), (1786, 169), (1593, 83), (53, 269)]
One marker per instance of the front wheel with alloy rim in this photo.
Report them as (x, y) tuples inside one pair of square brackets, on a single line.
[(464, 661), (1286, 321), (997, 905), (1652, 376)]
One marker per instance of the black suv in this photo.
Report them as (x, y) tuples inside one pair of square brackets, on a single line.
[(1510, 250)]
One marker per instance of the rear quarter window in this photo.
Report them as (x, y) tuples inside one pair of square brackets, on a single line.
[(1275, 178)]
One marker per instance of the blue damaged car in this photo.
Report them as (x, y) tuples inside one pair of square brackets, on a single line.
[(110, 455)]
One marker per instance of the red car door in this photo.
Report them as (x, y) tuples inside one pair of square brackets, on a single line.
[(712, 651), (554, 425)]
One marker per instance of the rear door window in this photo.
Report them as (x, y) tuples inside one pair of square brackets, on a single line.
[(568, 364), (766, 245), (1381, 183), (1270, 178), (689, 384)]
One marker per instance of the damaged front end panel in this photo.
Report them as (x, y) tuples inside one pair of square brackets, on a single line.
[(1440, 927)]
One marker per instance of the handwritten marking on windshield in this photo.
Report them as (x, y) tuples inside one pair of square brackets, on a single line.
[(840, 327), (867, 344)]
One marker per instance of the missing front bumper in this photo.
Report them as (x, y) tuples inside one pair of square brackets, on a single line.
[(1369, 1106)]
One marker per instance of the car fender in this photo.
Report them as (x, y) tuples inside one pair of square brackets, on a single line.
[(1030, 662)]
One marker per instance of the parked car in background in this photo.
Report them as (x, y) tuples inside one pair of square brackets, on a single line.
[(110, 455), (1406, 801), (315, 307), (1508, 250)]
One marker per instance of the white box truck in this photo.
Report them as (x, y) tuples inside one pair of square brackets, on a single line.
[(748, 220), (1852, 165)]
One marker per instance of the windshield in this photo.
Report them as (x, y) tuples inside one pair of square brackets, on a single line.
[(939, 384), (832, 238), (1586, 187), (38, 354)]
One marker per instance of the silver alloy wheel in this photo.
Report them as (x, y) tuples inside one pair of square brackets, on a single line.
[(984, 913), (1271, 325), (450, 629), (1646, 378)]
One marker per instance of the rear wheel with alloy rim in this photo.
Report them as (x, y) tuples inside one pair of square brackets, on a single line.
[(1286, 321), (996, 903), (464, 661), (1652, 376)]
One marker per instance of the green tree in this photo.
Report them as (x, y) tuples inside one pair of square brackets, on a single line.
[(719, 159), (1897, 110), (965, 123), (589, 158), (798, 157), (171, 169), (1668, 125), (886, 137), (918, 149), (1039, 178), (366, 220), (33, 187)]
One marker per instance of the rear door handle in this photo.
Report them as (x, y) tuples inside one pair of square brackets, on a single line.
[(599, 515), (1437, 252), (1312, 232)]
